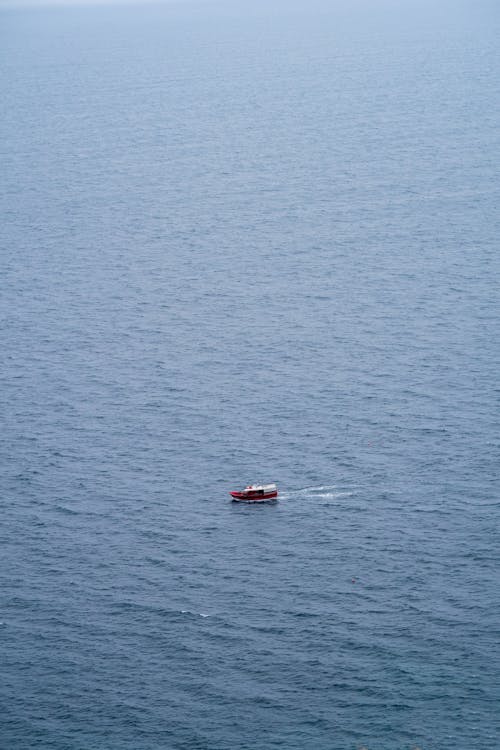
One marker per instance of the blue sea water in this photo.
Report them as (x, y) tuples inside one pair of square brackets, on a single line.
[(243, 242)]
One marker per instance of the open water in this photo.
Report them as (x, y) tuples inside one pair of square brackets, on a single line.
[(242, 243)]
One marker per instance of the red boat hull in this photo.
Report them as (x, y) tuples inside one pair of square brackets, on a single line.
[(253, 497)]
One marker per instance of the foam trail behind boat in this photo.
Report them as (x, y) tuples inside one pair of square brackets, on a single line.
[(320, 492)]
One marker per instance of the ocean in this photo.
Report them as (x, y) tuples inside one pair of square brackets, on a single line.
[(246, 242)]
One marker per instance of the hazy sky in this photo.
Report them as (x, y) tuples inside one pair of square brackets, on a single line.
[(22, 3)]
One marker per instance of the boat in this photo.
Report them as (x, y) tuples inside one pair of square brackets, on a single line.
[(255, 493)]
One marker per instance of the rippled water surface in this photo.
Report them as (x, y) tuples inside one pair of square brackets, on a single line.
[(242, 243)]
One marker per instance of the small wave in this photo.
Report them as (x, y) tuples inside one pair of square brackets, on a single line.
[(66, 511), (196, 614)]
